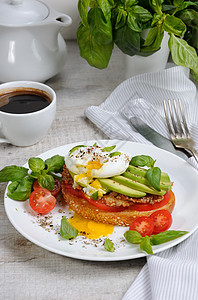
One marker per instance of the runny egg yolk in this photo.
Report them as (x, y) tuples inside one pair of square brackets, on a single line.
[(93, 165), (90, 229)]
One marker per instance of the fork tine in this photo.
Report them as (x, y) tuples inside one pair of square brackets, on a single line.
[(167, 119), (180, 129), (172, 117), (184, 119)]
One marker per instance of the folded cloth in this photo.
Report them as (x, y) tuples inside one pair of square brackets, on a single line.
[(171, 274), (142, 96)]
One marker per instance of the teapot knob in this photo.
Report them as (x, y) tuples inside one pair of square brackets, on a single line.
[(16, 2)]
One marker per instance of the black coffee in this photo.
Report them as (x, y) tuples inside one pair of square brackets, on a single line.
[(23, 100)]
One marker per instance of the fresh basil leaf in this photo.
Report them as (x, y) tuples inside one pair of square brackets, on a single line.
[(83, 6), (108, 149), (46, 181), (36, 164), (133, 237), (109, 246), (181, 4), (100, 28), (121, 16), (114, 154), (127, 40), (111, 2), (174, 25), (12, 173), (94, 196), (154, 175), (128, 4), (189, 17), (167, 7), (154, 39), (12, 186), (145, 245), (166, 236), (97, 54), (156, 5), (23, 189), (75, 148), (195, 76), (35, 175), (95, 144), (67, 231), (55, 163), (142, 161), (106, 9), (137, 17), (183, 54)]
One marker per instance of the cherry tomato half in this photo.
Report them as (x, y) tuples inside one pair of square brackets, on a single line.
[(42, 201), (162, 220), (143, 225), (54, 192)]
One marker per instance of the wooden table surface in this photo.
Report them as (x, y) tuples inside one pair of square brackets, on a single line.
[(26, 270)]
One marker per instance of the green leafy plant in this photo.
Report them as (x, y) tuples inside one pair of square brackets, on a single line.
[(147, 242), (121, 22), (22, 179)]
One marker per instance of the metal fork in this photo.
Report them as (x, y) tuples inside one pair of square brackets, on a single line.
[(179, 132)]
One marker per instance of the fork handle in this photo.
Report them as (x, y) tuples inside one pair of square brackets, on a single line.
[(195, 153)]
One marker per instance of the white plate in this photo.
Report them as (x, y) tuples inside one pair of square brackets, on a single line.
[(185, 179)]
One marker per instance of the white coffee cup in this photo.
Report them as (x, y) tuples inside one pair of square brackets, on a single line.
[(25, 129)]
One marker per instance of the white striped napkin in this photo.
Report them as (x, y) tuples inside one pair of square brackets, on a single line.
[(171, 274)]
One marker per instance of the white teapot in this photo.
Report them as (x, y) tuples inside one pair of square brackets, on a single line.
[(31, 46)]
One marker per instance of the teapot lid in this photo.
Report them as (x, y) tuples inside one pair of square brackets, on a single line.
[(22, 12)]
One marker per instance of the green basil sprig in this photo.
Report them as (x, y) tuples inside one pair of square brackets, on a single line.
[(108, 149), (147, 242), (67, 231), (117, 153), (22, 179), (153, 173), (105, 23), (109, 246)]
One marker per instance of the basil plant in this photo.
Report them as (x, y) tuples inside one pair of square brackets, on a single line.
[(121, 22)]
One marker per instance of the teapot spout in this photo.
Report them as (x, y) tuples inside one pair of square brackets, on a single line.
[(63, 20)]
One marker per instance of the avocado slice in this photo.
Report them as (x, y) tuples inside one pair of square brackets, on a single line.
[(142, 172), (120, 188), (163, 184), (137, 185)]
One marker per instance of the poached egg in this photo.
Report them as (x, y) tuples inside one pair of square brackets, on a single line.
[(87, 163)]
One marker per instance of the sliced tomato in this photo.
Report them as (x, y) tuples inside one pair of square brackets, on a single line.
[(42, 201), (162, 220), (156, 205), (55, 191), (143, 225), (99, 204)]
